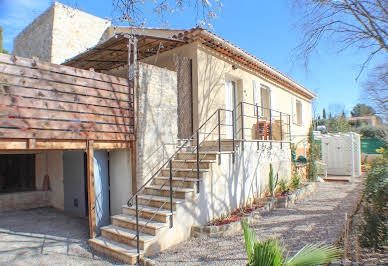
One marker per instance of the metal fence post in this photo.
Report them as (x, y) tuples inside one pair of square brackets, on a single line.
[(281, 133), (242, 126), (233, 114), (198, 161), (270, 126), (171, 202), (137, 228), (219, 135)]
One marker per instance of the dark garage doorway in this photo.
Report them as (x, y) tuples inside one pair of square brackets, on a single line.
[(17, 172)]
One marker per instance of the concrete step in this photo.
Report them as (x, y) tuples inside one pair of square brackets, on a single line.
[(190, 164), (145, 225), (158, 201), (148, 212), (180, 193), (193, 156), (213, 145), (126, 236), (183, 172), (187, 182), (119, 251)]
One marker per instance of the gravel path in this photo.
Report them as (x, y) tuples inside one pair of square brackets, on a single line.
[(318, 217)]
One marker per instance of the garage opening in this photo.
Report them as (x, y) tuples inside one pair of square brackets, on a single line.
[(17, 173)]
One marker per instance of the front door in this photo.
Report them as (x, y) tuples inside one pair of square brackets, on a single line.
[(231, 104)]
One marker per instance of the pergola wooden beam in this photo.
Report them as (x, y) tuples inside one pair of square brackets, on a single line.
[(42, 144), (91, 190)]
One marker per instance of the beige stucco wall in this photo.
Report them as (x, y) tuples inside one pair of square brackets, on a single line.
[(60, 33), (232, 185), (214, 69), (51, 163), (120, 174), (210, 71)]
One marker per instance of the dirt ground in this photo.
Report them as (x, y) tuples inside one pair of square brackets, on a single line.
[(357, 254), (45, 236)]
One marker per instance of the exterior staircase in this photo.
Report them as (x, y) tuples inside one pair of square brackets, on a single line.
[(119, 239)]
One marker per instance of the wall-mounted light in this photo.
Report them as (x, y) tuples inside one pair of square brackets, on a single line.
[(234, 67)]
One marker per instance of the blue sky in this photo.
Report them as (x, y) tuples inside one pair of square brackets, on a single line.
[(266, 29)]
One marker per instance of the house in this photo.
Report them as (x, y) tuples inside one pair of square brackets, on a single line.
[(370, 120), (191, 124)]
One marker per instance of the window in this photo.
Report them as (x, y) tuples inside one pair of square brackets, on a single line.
[(265, 101), (17, 172)]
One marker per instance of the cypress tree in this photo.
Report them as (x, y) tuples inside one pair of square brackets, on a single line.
[(1, 39)]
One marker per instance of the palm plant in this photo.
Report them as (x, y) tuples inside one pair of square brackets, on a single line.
[(270, 253)]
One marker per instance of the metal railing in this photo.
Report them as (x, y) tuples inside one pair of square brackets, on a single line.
[(214, 135)]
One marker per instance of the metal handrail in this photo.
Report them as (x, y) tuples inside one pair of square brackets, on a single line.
[(170, 158), (196, 135)]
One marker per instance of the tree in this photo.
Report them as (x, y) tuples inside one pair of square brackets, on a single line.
[(1, 42), (324, 113), (359, 24), (133, 12), (376, 89), (362, 110)]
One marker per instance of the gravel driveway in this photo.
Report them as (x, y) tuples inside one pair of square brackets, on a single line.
[(318, 217), (45, 236), (49, 237)]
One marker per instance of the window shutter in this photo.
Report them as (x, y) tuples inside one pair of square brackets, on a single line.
[(256, 94), (272, 104), (293, 104), (301, 113)]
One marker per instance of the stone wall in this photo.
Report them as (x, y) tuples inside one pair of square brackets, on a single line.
[(157, 118), (74, 32), (60, 33), (51, 163), (23, 200), (36, 38)]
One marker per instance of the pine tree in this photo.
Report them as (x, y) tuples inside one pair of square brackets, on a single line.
[(324, 113)]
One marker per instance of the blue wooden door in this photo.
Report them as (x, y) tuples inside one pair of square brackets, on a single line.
[(101, 185)]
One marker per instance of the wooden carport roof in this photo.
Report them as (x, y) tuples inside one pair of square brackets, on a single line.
[(113, 53)]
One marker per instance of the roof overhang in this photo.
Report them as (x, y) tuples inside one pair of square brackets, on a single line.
[(113, 53), (239, 56)]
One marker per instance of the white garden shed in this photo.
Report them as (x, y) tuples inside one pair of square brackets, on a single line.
[(341, 152)]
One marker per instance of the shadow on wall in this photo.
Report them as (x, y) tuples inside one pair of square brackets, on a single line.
[(230, 186)]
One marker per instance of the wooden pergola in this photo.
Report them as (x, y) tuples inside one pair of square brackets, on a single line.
[(44, 106)]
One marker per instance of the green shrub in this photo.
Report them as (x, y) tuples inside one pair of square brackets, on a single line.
[(313, 155), (374, 229), (272, 182), (282, 185), (295, 181), (373, 132)]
